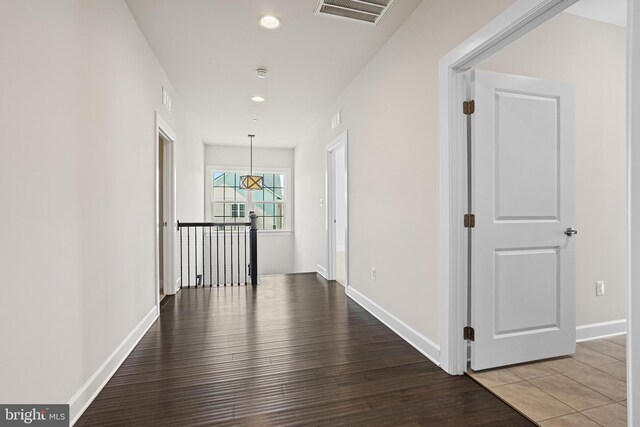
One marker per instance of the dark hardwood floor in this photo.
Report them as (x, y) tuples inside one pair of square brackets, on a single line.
[(293, 351)]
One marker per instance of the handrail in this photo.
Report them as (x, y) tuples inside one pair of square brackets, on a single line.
[(213, 224)]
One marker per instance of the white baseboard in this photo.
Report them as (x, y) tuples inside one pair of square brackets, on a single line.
[(601, 330), (83, 398), (177, 284), (321, 271), (421, 343)]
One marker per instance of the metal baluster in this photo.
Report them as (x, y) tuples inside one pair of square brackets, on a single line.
[(224, 250), (245, 255), (238, 228), (231, 252), (195, 253), (210, 265), (188, 257), (217, 256), (180, 257), (253, 248), (203, 265)]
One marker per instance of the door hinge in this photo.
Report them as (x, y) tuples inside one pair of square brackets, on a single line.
[(468, 107), (469, 334), (469, 221)]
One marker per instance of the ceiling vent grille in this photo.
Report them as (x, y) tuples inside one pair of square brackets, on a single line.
[(368, 11)]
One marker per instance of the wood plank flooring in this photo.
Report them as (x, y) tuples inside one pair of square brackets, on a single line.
[(293, 351)]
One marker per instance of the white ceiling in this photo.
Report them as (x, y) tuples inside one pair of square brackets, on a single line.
[(210, 50), (610, 11)]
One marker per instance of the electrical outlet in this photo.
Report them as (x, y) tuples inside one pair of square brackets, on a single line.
[(373, 273), (600, 288)]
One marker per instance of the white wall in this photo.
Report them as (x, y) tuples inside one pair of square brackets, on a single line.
[(232, 156), (391, 112), (592, 56), (79, 89), (275, 249)]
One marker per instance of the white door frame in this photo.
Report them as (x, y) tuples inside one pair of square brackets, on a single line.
[(162, 129), (633, 213), (342, 141), (516, 21), (522, 17)]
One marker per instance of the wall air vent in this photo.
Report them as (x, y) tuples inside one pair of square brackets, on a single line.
[(368, 11)]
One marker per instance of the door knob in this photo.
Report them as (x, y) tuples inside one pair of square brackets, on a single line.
[(570, 231)]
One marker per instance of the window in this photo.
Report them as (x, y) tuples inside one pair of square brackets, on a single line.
[(230, 203), (237, 210), (229, 200), (268, 203)]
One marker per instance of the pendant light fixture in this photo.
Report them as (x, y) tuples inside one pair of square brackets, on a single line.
[(251, 181)]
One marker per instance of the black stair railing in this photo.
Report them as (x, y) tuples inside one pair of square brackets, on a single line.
[(218, 253)]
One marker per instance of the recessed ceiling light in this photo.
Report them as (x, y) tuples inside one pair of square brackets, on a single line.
[(269, 22), (255, 120), (258, 98)]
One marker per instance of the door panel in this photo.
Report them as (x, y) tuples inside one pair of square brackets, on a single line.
[(526, 163), (522, 263), (533, 304)]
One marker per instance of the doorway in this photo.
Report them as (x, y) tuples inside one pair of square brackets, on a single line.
[(337, 210), (577, 92), (572, 114), (165, 205), (604, 357), (515, 22)]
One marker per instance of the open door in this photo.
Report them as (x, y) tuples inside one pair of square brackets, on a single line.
[(522, 245)]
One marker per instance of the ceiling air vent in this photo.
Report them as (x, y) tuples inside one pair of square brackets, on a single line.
[(370, 11)]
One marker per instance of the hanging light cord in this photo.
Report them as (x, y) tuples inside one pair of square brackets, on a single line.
[(251, 155)]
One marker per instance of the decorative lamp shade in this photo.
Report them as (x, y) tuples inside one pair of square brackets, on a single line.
[(251, 182)]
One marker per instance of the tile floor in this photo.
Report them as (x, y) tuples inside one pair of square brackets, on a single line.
[(586, 389)]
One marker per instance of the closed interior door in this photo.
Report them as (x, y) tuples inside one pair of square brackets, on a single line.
[(522, 259)]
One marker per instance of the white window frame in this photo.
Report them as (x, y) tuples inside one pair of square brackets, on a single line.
[(287, 193)]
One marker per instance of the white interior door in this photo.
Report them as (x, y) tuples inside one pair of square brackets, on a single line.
[(522, 261), (340, 214)]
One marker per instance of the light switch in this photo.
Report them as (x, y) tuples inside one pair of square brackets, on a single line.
[(600, 288)]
